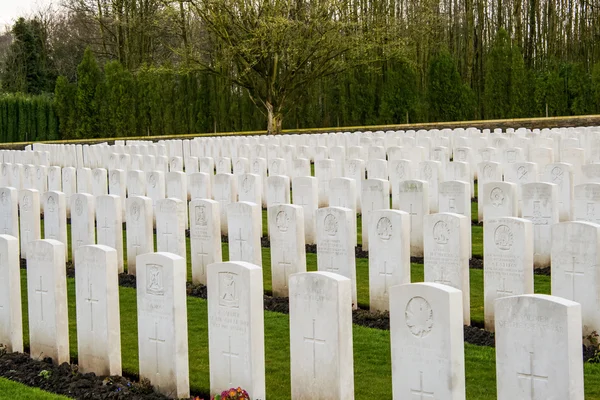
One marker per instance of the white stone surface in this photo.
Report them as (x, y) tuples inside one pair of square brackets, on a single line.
[(170, 227), (55, 217), (97, 309), (499, 199), (9, 212), (139, 231), (225, 192), (446, 254), (82, 222), (538, 348), (540, 206), (575, 272), (244, 219), (335, 251), (413, 198), (432, 173), (162, 323), (47, 301), (109, 223), (487, 171), (375, 196), (11, 316), (321, 336), (236, 328), (508, 261), (389, 255), (306, 194), (29, 211), (561, 174), (454, 197), (288, 251), (205, 237), (586, 202), (427, 345)]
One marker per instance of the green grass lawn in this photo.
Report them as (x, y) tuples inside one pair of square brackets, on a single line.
[(372, 365), (18, 391)]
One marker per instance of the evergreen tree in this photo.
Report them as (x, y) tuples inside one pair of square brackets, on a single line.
[(399, 94), (446, 94), (521, 89), (89, 77), (28, 67), (498, 85), (596, 86), (65, 95), (121, 104)]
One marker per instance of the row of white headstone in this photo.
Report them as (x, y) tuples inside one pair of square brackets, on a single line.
[(444, 239), (538, 337)]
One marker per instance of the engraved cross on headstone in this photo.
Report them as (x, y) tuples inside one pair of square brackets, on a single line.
[(41, 292), (105, 228), (241, 242), (314, 341), (230, 355), (385, 273), (573, 273), (532, 377), (156, 340), (168, 235), (412, 214), (285, 265), (91, 301), (502, 291), (202, 253), (420, 392), (442, 279)]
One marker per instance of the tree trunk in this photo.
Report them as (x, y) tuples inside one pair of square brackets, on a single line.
[(274, 120)]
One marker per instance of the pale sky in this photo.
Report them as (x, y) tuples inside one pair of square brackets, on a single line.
[(10, 10)]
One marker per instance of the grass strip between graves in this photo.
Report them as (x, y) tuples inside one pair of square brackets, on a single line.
[(17, 391)]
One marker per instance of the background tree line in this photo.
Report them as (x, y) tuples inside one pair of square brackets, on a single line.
[(163, 67)]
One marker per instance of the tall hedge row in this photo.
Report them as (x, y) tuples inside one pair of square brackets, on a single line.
[(27, 118)]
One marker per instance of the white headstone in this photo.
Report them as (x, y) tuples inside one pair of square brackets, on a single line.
[(97, 300), (540, 206), (82, 222), (427, 345), (288, 252), (11, 317), (109, 224), (139, 231), (375, 196), (335, 251), (170, 227), (9, 212), (205, 237), (562, 175), (538, 348), (244, 219), (389, 255), (575, 272), (306, 194), (55, 217), (236, 328), (446, 254), (413, 198), (162, 323), (321, 336), (499, 199), (225, 192), (29, 211), (508, 261), (47, 301)]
